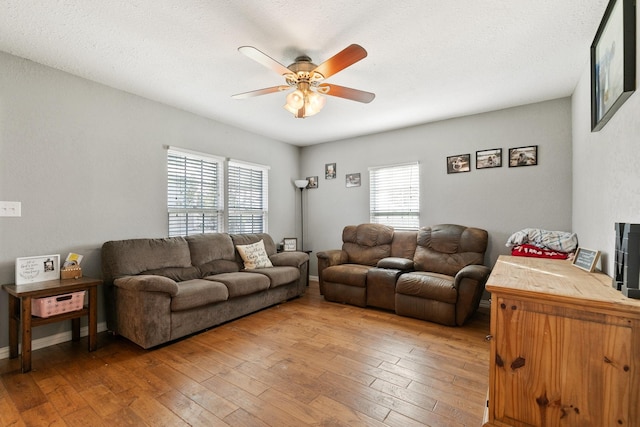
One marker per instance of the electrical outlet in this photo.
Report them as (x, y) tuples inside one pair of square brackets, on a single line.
[(10, 208)]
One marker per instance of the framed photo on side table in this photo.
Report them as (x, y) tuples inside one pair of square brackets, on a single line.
[(290, 244), (37, 269), (586, 259)]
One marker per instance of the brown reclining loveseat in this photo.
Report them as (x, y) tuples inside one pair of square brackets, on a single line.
[(435, 273)]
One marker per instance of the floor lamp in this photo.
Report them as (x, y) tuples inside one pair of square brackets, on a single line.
[(301, 184)]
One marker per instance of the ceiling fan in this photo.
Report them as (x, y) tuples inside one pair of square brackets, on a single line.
[(308, 80)]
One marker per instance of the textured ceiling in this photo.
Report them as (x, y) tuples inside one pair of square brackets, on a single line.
[(427, 60)]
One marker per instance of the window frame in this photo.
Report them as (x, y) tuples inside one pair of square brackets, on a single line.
[(263, 209), (216, 217), (397, 193)]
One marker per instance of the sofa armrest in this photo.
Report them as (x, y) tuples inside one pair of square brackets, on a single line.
[(479, 273), (470, 283), (291, 259), (148, 283), (332, 257), (395, 263), (327, 259)]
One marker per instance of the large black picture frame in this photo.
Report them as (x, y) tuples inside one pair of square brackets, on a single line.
[(613, 61)]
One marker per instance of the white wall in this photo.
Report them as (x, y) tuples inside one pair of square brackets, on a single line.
[(500, 200), (88, 164), (606, 183)]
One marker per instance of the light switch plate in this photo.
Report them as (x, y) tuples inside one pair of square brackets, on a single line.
[(10, 208)]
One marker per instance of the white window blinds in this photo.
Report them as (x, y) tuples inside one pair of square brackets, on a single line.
[(194, 193), (395, 196), (247, 189)]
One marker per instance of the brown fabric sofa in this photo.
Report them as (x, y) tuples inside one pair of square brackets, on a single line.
[(158, 290), (435, 273)]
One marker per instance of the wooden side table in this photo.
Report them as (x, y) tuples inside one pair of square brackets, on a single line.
[(20, 312)]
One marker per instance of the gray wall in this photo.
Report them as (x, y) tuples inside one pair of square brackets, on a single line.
[(500, 200), (88, 164), (606, 183)]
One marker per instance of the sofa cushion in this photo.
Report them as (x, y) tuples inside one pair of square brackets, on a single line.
[(367, 244), (198, 292), (347, 274), (279, 275), (209, 247), (447, 248), (218, 266), (143, 255), (242, 283), (254, 255), (434, 286), (402, 264), (179, 274)]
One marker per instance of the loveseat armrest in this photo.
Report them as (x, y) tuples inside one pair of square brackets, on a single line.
[(328, 259), (469, 282), (332, 257), (479, 273), (148, 283), (396, 263), (291, 259)]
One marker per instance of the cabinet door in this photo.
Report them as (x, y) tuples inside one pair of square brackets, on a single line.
[(560, 367)]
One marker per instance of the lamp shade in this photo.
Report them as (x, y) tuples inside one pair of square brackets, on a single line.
[(301, 183)]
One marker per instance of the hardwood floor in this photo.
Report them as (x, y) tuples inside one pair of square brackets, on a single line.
[(304, 362)]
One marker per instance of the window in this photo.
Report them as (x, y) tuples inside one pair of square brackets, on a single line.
[(394, 196), (194, 193), (247, 197)]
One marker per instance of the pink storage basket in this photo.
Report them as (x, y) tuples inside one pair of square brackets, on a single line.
[(50, 306)]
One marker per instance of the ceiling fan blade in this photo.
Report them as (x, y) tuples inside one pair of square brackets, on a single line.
[(261, 92), (346, 92), (348, 56), (264, 59)]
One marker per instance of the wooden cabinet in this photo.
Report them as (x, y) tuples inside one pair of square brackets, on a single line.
[(565, 347)]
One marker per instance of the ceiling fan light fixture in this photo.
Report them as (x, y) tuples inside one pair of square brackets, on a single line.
[(295, 100), (304, 103), (313, 103), (306, 77)]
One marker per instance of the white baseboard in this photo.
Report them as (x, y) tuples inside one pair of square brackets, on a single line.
[(316, 278), (53, 340), (485, 303)]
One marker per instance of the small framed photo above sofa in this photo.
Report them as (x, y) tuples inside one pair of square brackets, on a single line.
[(489, 158), (313, 181), (459, 163), (290, 244), (523, 156)]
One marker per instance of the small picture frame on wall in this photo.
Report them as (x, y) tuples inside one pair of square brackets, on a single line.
[(290, 244), (459, 163), (523, 156), (613, 61), (352, 180), (313, 182), (330, 171), (489, 158)]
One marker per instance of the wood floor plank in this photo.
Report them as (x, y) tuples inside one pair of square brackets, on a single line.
[(9, 413), (303, 362), (62, 395), (84, 417), (189, 411), (338, 414)]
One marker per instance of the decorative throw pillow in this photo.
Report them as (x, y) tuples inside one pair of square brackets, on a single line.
[(254, 255)]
